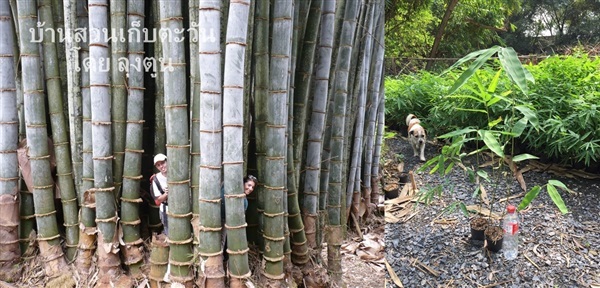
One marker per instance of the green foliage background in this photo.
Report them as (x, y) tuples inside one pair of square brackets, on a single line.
[(565, 97)]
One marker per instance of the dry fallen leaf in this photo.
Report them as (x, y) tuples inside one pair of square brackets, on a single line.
[(393, 274)]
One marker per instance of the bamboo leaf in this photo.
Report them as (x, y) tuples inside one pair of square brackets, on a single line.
[(494, 84), (467, 58), (515, 70), (464, 209), (558, 184), (557, 199), (524, 156), (491, 142), (457, 133), (466, 96), (529, 114), (519, 127), (529, 197), (483, 57), (494, 122), (472, 110), (483, 174)]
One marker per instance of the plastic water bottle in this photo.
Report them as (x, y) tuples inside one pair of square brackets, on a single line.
[(510, 224)]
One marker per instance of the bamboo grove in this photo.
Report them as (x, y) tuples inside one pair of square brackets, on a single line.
[(289, 91)]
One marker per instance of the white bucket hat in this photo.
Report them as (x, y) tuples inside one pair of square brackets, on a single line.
[(159, 157)]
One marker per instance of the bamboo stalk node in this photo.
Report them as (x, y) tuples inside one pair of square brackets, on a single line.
[(136, 242), (9, 179), (139, 177), (131, 223), (204, 254), (39, 215), (273, 215), (66, 201), (228, 196), (181, 279), (181, 264), (64, 174), (236, 227), (107, 220), (293, 231), (39, 157), (136, 200), (209, 229), (7, 89), (245, 276), (8, 123), (110, 157), (156, 262), (210, 167), (2, 243), (180, 242), (280, 126), (232, 162), (273, 259), (27, 217), (218, 200), (273, 277), (273, 239), (104, 189), (134, 122), (238, 252), (311, 193), (176, 105), (43, 187), (89, 205), (39, 238), (233, 87), (273, 187), (179, 215), (174, 18), (71, 225), (186, 146), (71, 245), (294, 215), (172, 183)]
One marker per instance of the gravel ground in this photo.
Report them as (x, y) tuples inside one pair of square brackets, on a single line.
[(555, 250)]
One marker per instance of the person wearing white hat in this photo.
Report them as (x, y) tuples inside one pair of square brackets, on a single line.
[(160, 189), (160, 193)]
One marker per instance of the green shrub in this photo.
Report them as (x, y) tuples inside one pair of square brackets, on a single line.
[(565, 97), (567, 94)]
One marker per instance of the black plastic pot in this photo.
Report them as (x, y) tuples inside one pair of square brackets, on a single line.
[(493, 237), (478, 226)]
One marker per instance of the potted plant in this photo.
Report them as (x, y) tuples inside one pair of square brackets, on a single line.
[(506, 118)]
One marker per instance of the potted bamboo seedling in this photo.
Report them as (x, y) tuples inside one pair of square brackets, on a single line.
[(507, 118)]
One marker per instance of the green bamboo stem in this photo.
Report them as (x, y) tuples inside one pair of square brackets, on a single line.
[(180, 236), (210, 226), (87, 236), (73, 93), (132, 166), (10, 251), (60, 139), (118, 22), (277, 121), (261, 72), (233, 152), (48, 236), (374, 94), (335, 199)]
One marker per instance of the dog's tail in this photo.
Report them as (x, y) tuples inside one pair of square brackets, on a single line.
[(410, 117)]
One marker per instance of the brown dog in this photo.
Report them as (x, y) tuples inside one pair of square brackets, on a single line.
[(416, 136)]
